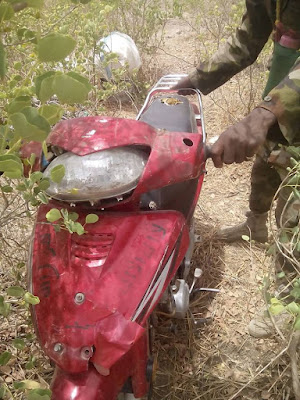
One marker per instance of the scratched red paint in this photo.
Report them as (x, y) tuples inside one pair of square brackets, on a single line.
[(113, 265)]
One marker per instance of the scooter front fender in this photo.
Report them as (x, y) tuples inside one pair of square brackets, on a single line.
[(90, 385)]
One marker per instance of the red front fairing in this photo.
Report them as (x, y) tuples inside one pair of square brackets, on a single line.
[(121, 265), (171, 160), (90, 385)]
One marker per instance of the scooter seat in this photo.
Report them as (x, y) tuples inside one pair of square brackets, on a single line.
[(171, 112)]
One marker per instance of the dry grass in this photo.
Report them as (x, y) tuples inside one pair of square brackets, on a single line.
[(215, 361)]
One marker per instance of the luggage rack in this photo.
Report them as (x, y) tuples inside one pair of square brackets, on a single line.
[(165, 84)]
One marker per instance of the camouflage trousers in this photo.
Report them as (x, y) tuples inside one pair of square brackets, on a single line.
[(268, 173)]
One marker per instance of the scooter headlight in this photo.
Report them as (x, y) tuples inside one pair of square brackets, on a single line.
[(102, 175)]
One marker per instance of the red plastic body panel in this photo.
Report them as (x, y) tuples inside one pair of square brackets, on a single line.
[(114, 275), (122, 265), (171, 159), (90, 385), (88, 135)]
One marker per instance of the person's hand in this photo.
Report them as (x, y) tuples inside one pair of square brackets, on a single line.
[(243, 139), (185, 84)]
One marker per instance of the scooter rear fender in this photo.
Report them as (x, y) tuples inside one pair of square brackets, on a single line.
[(97, 290)]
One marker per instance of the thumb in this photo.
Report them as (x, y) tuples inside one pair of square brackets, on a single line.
[(216, 153)]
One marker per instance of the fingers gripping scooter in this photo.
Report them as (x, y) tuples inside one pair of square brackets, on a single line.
[(97, 291)]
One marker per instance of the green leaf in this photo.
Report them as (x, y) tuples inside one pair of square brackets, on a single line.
[(55, 47), (246, 238), (18, 385), (73, 216), (27, 34), (18, 66), (28, 384), (91, 218), (296, 193), (21, 187), (4, 308), (297, 324), (29, 125), (44, 184), (276, 307), (7, 189), (57, 173), (30, 364), (45, 148), (70, 89), (18, 104), (15, 291), (18, 344), (293, 308), (294, 180), (5, 357), (43, 198), (6, 12), (44, 86), (2, 392), (31, 299), (78, 228), (32, 159), (11, 163), (3, 62), (39, 394), (51, 112), (13, 174), (281, 275), (295, 292), (284, 237), (36, 176), (81, 79), (53, 215), (65, 213)]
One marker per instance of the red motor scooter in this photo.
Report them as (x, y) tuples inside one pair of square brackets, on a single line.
[(97, 291)]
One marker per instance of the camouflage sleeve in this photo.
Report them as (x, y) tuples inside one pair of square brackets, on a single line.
[(240, 51), (284, 102)]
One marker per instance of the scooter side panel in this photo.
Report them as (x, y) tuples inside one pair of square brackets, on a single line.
[(91, 287)]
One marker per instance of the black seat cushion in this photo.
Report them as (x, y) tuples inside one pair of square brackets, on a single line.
[(171, 112)]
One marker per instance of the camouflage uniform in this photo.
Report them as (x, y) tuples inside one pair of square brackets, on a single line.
[(240, 51)]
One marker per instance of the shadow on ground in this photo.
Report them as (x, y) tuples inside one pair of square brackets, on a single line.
[(177, 341)]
